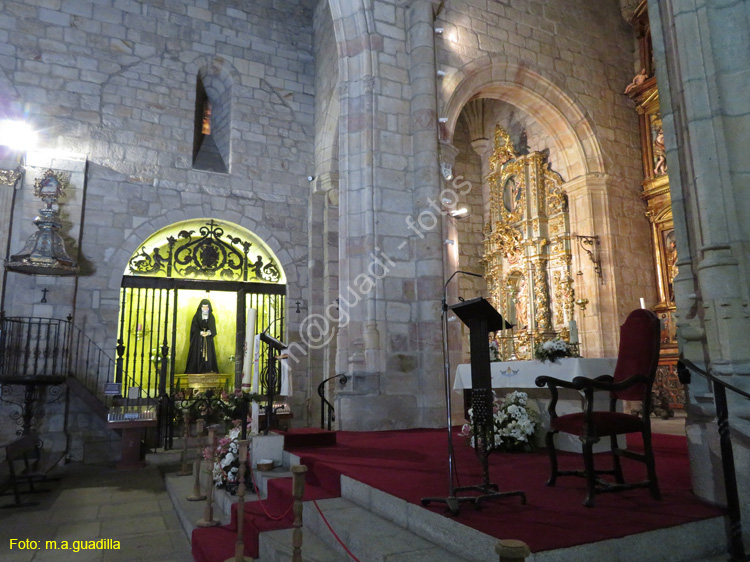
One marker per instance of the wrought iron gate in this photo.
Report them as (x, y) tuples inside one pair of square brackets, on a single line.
[(148, 330)]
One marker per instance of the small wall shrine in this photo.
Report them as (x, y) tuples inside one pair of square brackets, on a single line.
[(527, 249)]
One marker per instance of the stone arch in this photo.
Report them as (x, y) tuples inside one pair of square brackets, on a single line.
[(329, 111), (580, 162), (570, 131)]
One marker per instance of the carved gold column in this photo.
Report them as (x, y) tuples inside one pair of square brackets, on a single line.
[(644, 92)]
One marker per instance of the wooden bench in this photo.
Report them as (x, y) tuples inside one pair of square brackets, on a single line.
[(27, 463)]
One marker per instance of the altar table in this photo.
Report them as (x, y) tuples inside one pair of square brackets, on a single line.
[(521, 375)]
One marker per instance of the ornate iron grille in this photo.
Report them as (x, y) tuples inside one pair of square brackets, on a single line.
[(208, 254)]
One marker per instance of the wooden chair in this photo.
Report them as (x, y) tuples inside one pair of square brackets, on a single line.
[(27, 463), (637, 360)]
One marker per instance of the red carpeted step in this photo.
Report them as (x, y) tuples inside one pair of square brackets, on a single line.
[(308, 437), (412, 464), (216, 544)]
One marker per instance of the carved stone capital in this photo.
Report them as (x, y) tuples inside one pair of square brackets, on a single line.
[(325, 182)]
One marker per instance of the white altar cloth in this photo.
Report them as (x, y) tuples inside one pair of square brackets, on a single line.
[(522, 374)]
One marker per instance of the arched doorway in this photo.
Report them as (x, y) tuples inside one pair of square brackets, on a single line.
[(163, 285)]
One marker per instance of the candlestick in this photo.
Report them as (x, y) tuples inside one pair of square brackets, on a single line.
[(643, 302)]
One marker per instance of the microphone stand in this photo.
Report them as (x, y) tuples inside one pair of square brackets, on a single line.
[(452, 501), (270, 372)]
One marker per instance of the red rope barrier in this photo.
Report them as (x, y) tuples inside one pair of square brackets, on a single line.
[(349, 552), (261, 502)]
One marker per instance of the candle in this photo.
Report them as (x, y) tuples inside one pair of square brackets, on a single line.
[(643, 302), (573, 329)]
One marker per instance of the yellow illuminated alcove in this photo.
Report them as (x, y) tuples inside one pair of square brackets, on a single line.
[(164, 283)]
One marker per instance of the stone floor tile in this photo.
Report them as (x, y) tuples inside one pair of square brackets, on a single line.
[(129, 509), (118, 529), (82, 530), (75, 513)]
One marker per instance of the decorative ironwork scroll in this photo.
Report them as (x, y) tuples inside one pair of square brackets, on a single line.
[(207, 254)]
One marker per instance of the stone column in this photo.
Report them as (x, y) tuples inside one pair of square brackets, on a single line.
[(474, 112), (706, 119), (429, 250)]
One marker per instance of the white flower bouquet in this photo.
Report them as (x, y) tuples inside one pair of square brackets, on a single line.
[(513, 424), (226, 468), (552, 350)]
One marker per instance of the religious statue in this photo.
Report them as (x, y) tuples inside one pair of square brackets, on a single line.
[(522, 305), (638, 79), (671, 266), (202, 354), (660, 153)]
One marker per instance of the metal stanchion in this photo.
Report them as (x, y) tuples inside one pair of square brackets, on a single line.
[(197, 495), (208, 513), (511, 550), (298, 491), (239, 545), (184, 471)]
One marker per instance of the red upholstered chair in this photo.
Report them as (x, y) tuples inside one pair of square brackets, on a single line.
[(634, 374)]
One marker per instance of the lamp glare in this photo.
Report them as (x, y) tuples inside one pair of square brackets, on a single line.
[(17, 135)]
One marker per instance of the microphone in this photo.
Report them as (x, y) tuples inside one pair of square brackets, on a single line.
[(445, 287)]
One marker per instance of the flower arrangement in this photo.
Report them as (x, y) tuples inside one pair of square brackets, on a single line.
[(226, 468), (513, 423), (552, 350), (494, 350)]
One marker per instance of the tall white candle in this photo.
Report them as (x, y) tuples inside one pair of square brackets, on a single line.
[(249, 352), (643, 302), (573, 329)]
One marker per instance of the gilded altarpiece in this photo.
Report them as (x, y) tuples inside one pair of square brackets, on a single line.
[(644, 92), (527, 249)]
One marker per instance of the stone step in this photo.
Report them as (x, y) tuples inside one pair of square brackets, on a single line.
[(377, 526), (276, 546), (685, 543)]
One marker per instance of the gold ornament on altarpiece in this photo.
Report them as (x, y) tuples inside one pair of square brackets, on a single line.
[(527, 249)]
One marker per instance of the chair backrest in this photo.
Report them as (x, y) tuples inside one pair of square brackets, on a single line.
[(638, 353)]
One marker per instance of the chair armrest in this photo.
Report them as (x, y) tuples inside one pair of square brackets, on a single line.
[(606, 383), (553, 384)]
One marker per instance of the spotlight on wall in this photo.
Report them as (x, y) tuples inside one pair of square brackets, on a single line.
[(443, 119), (310, 178), (17, 135), (449, 242), (441, 73), (439, 30), (459, 213)]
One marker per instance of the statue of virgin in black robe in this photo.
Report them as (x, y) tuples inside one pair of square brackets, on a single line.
[(202, 354)]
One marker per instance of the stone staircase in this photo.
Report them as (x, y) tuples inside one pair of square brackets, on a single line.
[(376, 526)]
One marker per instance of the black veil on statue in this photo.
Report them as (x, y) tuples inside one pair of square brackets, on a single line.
[(202, 354)]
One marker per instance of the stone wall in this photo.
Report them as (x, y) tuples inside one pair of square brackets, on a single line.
[(116, 86)]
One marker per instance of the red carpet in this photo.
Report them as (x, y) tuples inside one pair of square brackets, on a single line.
[(413, 464)]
